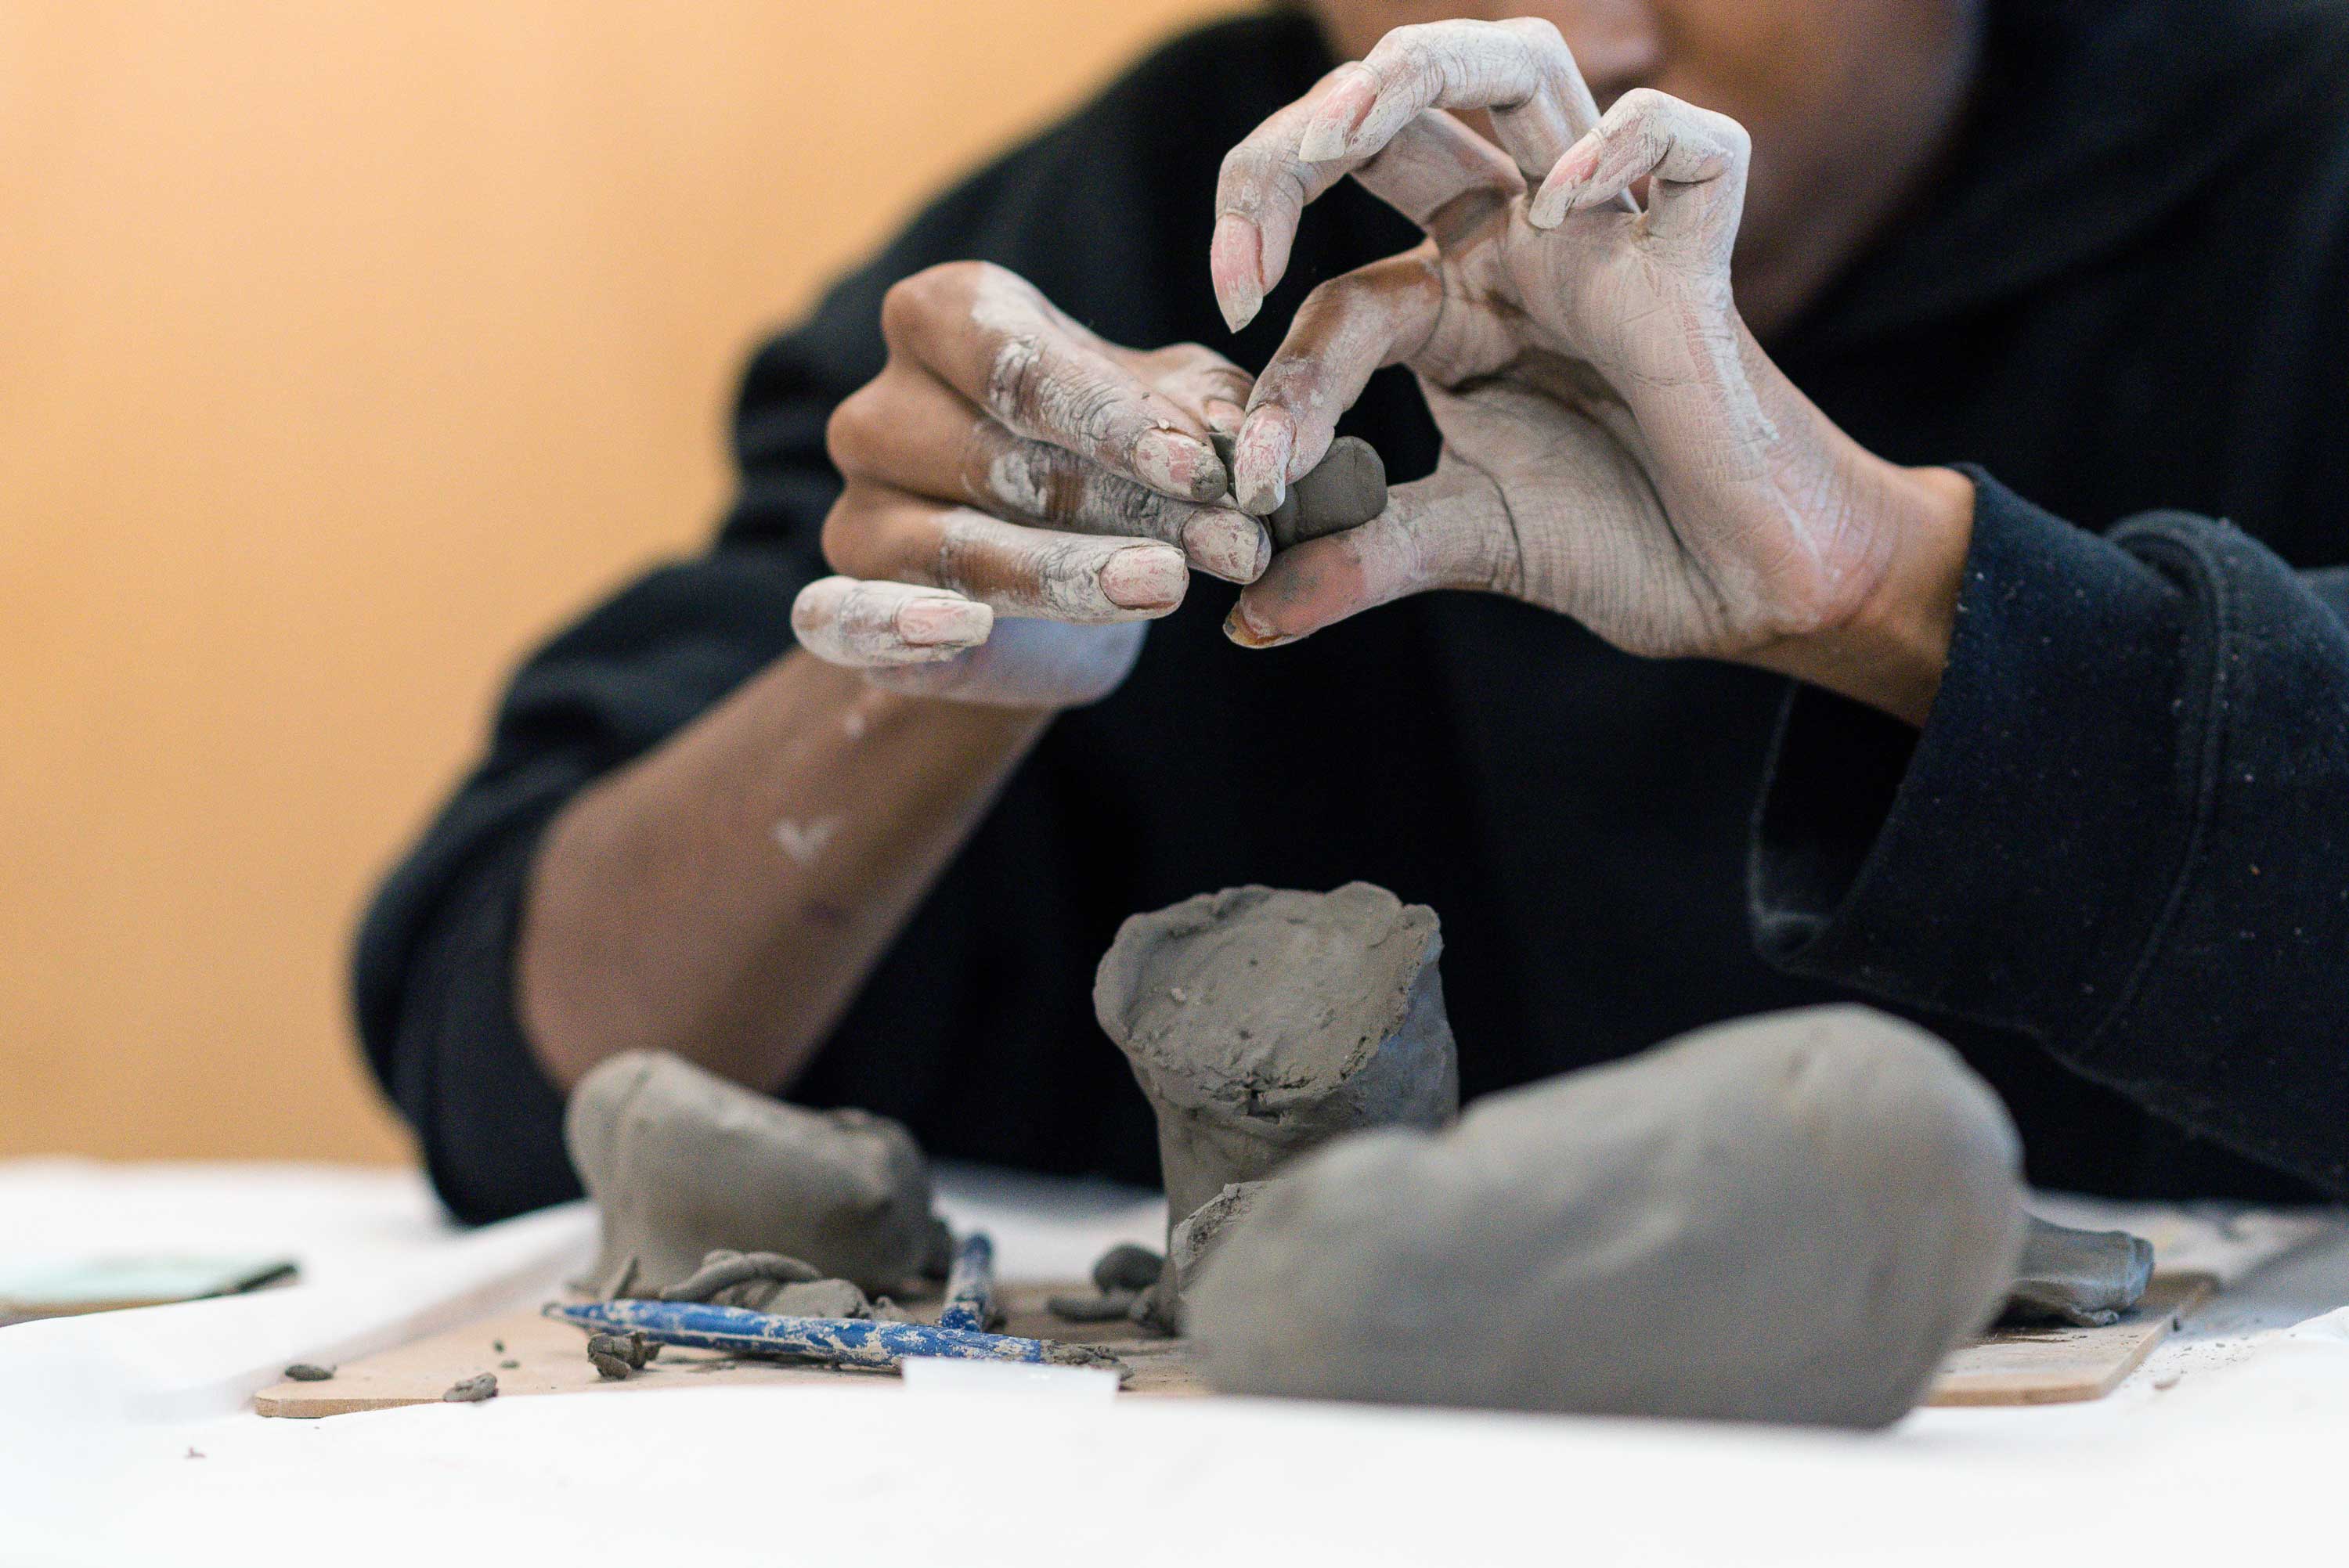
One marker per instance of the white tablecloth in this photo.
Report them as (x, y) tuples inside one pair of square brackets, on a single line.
[(127, 1437)]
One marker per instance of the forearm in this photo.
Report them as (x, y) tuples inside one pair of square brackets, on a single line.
[(1884, 636), (723, 897)]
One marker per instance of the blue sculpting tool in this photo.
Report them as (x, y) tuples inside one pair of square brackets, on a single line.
[(959, 1335), (824, 1341), (971, 1286)]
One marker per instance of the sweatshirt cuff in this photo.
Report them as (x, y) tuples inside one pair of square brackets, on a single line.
[(2011, 861)]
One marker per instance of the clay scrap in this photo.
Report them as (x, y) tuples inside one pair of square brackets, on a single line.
[(2086, 1278), (1789, 1217), (683, 1163), (1345, 489)]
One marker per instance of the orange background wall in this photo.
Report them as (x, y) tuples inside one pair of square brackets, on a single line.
[(346, 346)]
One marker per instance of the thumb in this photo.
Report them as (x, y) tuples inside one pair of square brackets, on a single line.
[(1448, 531)]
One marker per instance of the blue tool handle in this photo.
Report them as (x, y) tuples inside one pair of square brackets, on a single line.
[(827, 1341), (971, 1286)]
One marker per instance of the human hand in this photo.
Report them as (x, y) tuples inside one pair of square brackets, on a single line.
[(1616, 446), (1022, 497)]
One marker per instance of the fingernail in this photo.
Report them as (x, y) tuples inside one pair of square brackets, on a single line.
[(1260, 463), (1232, 546), (1235, 261), (1568, 177), (1340, 115), (1179, 465), (943, 623), (1241, 628), (1145, 577)]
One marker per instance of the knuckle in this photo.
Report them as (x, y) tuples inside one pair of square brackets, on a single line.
[(851, 436), (848, 537), (912, 302), (1540, 35), (1638, 104)]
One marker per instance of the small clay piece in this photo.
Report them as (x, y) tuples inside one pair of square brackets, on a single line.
[(818, 1298), (1107, 1307), (2088, 1278), (723, 1268), (1303, 1015), (615, 1283), (472, 1390), (1790, 1218), (304, 1372), (938, 1259), (499, 1345), (608, 1354), (1345, 489), (682, 1162), (1126, 1266), (509, 1365)]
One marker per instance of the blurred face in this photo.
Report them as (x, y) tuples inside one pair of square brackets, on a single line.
[(1848, 102)]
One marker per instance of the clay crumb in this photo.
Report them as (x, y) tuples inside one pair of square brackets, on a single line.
[(509, 1365), (1127, 1267), (616, 1355), (305, 1372), (472, 1390), (1107, 1307), (499, 1345)]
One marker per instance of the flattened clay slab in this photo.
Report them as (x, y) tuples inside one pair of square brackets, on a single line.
[(682, 1163), (1791, 1218), (2088, 1278), (1261, 1024)]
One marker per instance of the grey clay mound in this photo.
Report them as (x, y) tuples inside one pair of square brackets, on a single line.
[(2083, 1277), (1345, 489), (1791, 1218), (1261, 1024), (682, 1163)]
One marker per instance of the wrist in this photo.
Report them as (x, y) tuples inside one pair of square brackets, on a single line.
[(1890, 652)]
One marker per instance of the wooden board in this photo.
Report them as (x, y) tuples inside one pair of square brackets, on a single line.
[(550, 1358), (2018, 1366), (2060, 1366)]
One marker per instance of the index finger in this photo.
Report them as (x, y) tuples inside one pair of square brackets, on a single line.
[(991, 336), (1520, 69)]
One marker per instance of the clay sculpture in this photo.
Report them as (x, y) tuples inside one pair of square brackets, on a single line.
[(1345, 489), (682, 1163), (2088, 1278), (1790, 1218), (1261, 1024)]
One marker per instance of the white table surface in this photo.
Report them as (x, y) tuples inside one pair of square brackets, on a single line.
[(127, 1437)]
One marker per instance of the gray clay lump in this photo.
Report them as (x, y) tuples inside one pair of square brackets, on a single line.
[(1345, 489), (1791, 1218), (683, 1163), (2088, 1278), (1262, 1023)]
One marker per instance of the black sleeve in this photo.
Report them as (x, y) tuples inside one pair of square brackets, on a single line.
[(2122, 830)]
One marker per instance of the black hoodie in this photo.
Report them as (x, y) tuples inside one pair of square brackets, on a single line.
[(2113, 869)]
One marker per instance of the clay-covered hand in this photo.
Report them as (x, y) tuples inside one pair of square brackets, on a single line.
[(1615, 445), (1021, 496)]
